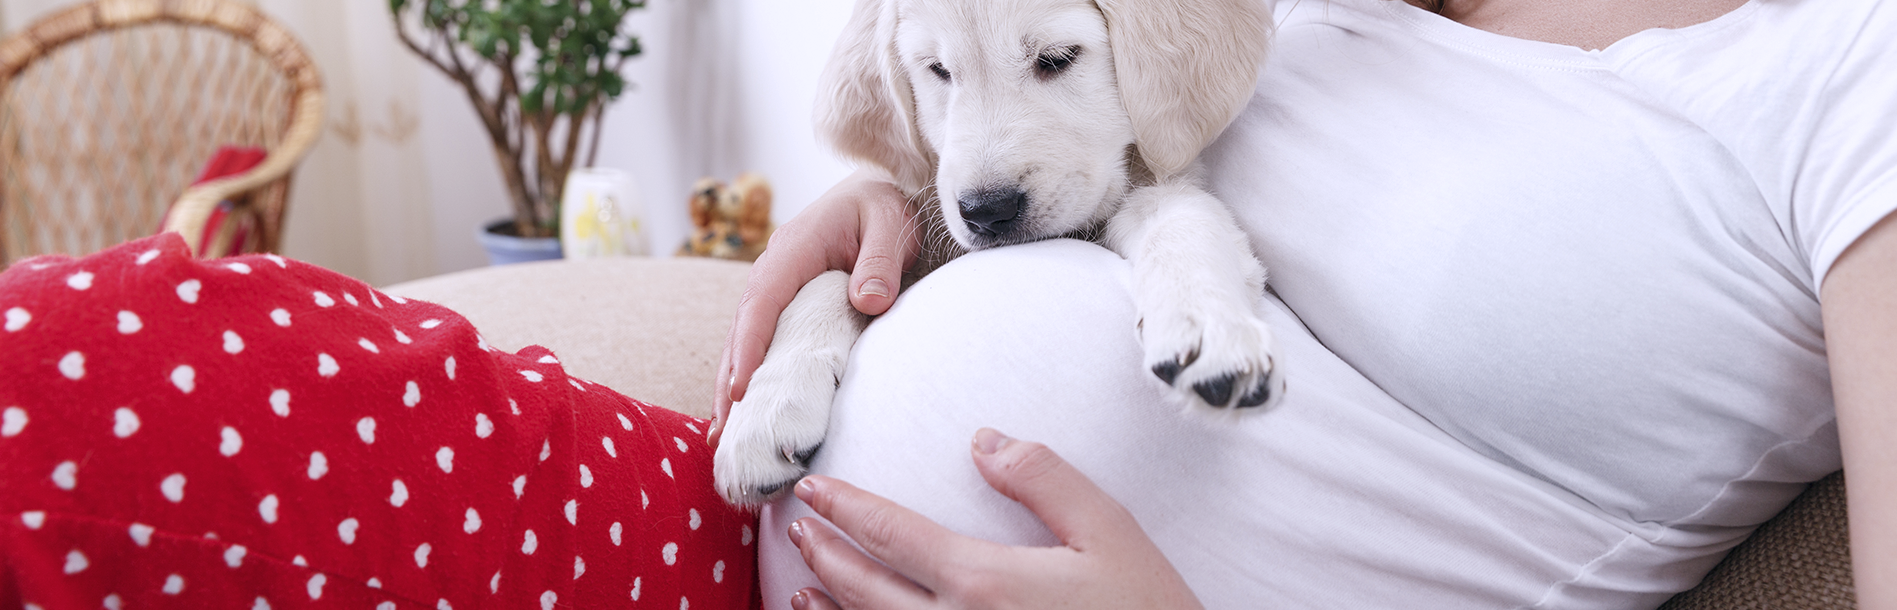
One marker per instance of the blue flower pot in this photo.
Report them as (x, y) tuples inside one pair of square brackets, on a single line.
[(503, 249)]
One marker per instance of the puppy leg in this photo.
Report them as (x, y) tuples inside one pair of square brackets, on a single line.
[(771, 435), (1197, 286)]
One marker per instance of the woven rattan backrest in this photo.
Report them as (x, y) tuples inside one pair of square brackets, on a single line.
[(110, 109)]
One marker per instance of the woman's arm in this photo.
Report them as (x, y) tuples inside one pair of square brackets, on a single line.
[(1860, 316)]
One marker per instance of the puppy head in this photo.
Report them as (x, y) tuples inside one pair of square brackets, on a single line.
[(1023, 113)]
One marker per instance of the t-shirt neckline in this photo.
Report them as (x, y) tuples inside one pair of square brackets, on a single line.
[(1522, 51)]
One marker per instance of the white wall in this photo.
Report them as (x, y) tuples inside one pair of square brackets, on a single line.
[(403, 174)]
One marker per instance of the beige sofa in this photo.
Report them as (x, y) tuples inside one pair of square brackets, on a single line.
[(653, 329)]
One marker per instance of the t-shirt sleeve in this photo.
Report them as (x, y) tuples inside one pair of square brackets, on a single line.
[(1846, 178)]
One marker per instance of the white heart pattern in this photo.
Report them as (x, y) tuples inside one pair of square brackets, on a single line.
[(124, 422)]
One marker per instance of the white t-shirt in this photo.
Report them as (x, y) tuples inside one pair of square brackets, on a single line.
[(1550, 319)]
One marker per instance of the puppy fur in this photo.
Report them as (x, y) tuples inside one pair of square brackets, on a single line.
[(1008, 121)]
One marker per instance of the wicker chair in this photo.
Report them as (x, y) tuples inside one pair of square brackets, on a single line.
[(109, 109)]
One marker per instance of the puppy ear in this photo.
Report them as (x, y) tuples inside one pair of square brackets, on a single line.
[(866, 110), (1185, 69)]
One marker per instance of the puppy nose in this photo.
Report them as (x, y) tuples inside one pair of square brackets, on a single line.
[(991, 211)]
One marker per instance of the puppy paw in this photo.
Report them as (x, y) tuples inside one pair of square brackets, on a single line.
[(772, 435), (1211, 355)]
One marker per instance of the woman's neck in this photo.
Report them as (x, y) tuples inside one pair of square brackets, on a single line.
[(1588, 24)]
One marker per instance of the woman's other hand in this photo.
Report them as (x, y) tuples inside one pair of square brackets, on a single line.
[(1106, 560), (862, 225)]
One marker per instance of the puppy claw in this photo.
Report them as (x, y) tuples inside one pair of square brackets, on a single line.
[(1258, 395), (1168, 370), (1216, 391)]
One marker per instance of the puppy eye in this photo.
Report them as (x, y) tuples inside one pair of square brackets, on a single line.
[(1052, 62), (940, 72)]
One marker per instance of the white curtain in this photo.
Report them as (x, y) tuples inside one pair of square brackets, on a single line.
[(403, 175)]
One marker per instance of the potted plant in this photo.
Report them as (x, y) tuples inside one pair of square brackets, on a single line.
[(540, 74)]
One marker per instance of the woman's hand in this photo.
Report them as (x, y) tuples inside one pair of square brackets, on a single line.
[(862, 225), (1106, 561)]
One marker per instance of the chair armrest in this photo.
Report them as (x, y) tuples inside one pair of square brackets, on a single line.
[(193, 209)]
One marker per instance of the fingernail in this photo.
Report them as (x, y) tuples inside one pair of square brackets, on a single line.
[(988, 441), (873, 288), (805, 489), (800, 600), (797, 533)]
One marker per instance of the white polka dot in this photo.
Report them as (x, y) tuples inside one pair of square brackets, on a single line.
[(398, 300), (615, 531), (398, 494), (232, 442), (579, 566), (365, 429), (744, 538), (694, 429), (373, 583), (373, 299), (548, 359), (322, 299), (174, 584), (65, 475), (442, 604), (444, 458), (240, 268), (124, 422), (533, 376), (586, 476), (718, 571), (76, 561), (607, 442), (473, 522), (234, 556), (278, 260), (73, 365), (184, 378), (520, 485), (623, 422), (421, 555), (547, 599), (280, 402), (665, 464), (684, 604), (351, 299), (693, 520), (529, 542), (299, 561), (402, 338), (368, 345), (146, 257), (428, 324), (411, 394), (450, 366), (268, 508), (12, 422), (494, 584), (188, 290), (572, 512), (233, 343), (326, 365), (79, 281), (385, 606), (682, 447), (33, 519), (513, 406), (669, 553), (17, 319), (173, 487), (141, 533), (280, 316), (481, 342), (260, 604), (347, 530), (319, 465), (546, 450), (644, 501), (483, 427), (637, 582), (576, 385), (316, 586), (129, 323), (113, 602)]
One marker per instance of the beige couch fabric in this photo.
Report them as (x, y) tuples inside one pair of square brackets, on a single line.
[(652, 329)]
